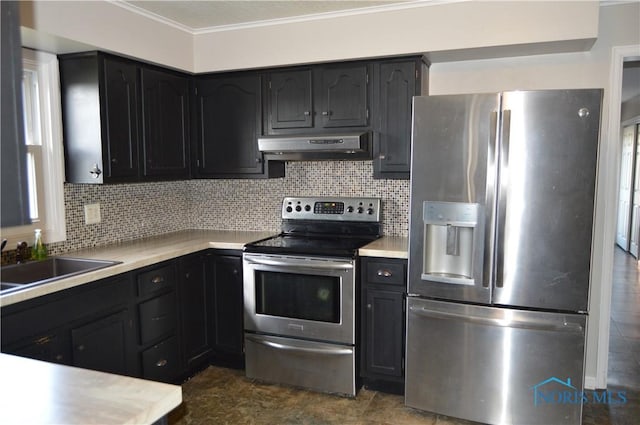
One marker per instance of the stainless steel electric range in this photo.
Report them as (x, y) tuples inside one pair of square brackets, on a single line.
[(300, 293)]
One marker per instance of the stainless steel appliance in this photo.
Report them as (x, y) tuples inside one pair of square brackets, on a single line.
[(300, 293), (502, 192)]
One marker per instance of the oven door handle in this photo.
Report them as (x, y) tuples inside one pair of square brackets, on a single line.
[(279, 346), (289, 262)]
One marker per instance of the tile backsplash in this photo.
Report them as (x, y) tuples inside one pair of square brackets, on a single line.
[(131, 211)]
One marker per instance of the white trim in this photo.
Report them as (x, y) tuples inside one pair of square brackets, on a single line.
[(278, 21), (611, 154), (53, 158)]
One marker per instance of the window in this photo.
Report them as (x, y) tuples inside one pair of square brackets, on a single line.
[(43, 137)]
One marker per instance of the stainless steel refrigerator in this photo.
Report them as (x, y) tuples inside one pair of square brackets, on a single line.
[(502, 205)]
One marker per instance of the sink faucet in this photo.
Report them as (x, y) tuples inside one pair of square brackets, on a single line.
[(21, 252)]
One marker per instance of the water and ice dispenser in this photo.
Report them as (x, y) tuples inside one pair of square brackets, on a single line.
[(448, 249)]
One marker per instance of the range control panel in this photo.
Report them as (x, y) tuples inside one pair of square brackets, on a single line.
[(334, 209)]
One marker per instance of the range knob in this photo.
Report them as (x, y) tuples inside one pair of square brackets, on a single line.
[(359, 210), (298, 208), (370, 211), (289, 209), (349, 209), (307, 207)]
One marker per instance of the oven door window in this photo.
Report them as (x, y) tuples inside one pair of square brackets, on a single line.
[(298, 296)]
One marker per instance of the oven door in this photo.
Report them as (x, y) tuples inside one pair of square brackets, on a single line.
[(301, 297)]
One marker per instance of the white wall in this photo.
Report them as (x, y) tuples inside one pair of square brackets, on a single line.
[(105, 26), (435, 27), (479, 26), (618, 27)]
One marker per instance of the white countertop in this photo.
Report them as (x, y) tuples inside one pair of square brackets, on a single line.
[(139, 253), (387, 246), (144, 252), (36, 392)]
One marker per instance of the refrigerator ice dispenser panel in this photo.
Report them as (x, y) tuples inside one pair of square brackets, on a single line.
[(449, 229)]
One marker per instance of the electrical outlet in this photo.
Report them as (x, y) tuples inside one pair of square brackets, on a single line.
[(92, 214)]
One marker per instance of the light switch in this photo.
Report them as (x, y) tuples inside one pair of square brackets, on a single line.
[(92, 214)]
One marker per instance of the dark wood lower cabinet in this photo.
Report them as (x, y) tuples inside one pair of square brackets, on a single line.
[(383, 323), (88, 326), (163, 322), (228, 334), (102, 344)]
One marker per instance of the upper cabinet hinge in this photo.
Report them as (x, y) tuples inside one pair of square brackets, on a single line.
[(367, 113), (417, 74), (269, 84), (367, 78)]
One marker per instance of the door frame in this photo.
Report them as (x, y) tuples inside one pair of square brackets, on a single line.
[(606, 209)]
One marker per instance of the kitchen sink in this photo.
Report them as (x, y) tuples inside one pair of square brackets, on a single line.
[(21, 276)]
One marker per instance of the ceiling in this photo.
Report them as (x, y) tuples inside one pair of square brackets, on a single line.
[(198, 16)]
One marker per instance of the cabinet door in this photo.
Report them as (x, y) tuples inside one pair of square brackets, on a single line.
[(395, 88), (383, 333), (228, 304), (196, 309), (165, 135), (101, 345), (344, 95), (290, 99), (120, 119), (49, 347), (228, 125)]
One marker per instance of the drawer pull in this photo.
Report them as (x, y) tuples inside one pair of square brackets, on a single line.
[(157, 279), (43, 340), (385, 273), (81, 347), (161, 363)]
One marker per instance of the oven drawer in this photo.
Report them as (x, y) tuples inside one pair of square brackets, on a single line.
[(308, 364)]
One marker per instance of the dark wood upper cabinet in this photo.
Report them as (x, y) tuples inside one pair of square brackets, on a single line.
[(165, 135), (15, 204), (318, 99), (344, 95), (290, 100), (119, 106), (228, 119), (123, 121), (396, 82)]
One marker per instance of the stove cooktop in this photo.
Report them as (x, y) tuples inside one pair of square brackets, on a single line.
[(328, 245)]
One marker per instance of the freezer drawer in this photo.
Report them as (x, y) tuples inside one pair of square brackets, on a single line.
[(493, 365), (313, 365)]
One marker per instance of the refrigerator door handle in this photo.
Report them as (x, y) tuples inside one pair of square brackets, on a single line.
[(503, 175), (489, 245), (506, 323)]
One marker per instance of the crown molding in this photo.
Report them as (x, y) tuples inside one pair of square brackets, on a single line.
[(280, 21)]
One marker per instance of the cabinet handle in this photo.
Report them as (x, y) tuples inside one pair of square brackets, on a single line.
[(95, 171), (161, 363), (186, 275), (235, 272), (59, 357), (114, 160), (258, 160), (81, 347), (157, 279), (307, 113), (382, 156), (385, 273), (326, 113), (369, 306), (43, 340)]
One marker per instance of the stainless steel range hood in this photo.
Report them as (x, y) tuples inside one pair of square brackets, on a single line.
[(340, 146)]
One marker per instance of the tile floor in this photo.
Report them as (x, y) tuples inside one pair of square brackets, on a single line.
[(225, 396)]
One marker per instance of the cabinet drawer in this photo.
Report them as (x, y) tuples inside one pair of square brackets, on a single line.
[(156, 279), (160, 362), (157, 317), (386, 272)]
